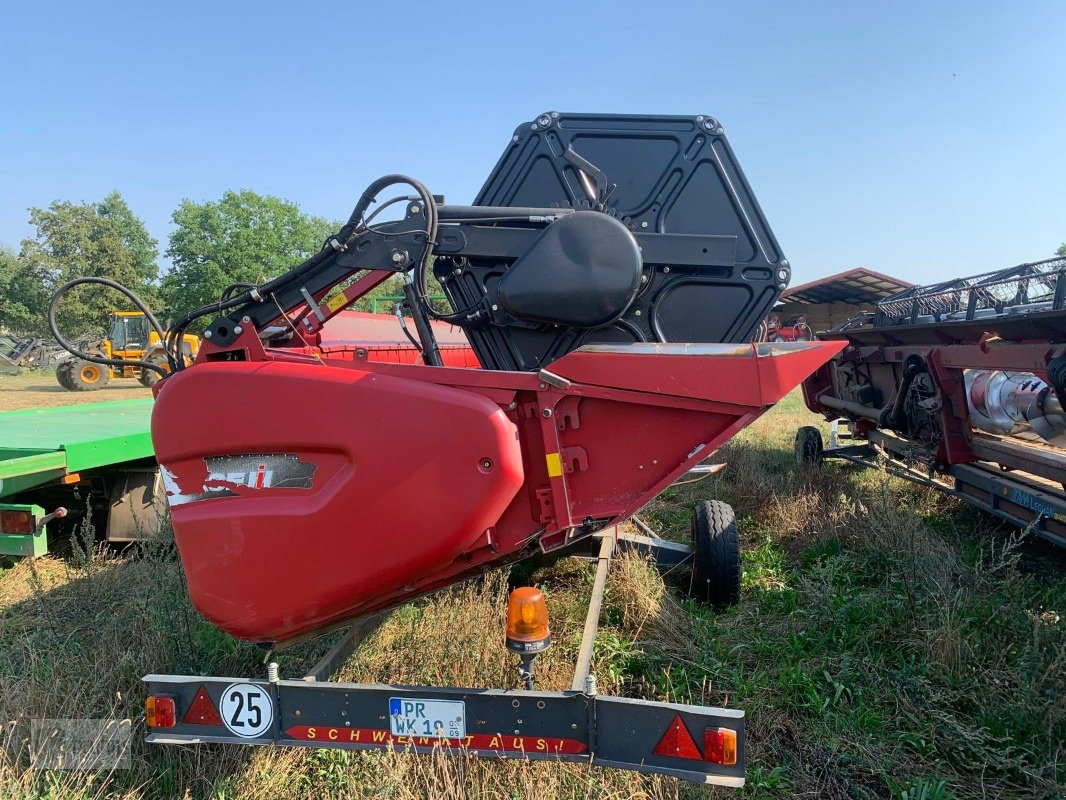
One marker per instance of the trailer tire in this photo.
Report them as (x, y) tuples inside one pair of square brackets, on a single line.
[(85, 376), (808, 446), (716, 554)]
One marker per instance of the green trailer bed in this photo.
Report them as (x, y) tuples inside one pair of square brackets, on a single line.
[(93, 462), (40, 445)]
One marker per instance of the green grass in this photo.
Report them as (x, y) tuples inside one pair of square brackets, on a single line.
[(890, 642)]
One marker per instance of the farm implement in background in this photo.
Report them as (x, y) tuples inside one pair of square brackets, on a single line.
[(959, 386), (608, 279), (69, 465), (29, 353), (793, 329)]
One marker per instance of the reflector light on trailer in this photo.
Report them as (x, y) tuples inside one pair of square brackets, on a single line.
[(527, 621), (677, 742), (201, 710), (17, 522), (159, 711), (720, 746)]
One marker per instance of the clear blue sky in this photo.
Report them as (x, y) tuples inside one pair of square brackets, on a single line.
[(921, 139)]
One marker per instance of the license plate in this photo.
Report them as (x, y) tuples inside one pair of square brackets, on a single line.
[(416, 716)]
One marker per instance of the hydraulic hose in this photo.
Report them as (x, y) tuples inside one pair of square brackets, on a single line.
[(913, 366), (355, 225), (97, 359)]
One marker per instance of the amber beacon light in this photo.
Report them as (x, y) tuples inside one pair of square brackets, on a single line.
[(527, 629), (527, 621)]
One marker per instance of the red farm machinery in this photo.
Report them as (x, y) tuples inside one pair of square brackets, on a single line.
[(959, 386), (791, 329), (608, 279)]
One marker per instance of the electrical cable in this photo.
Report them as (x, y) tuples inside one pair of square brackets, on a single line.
[(228, 291)]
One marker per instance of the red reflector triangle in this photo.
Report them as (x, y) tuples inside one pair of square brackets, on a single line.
[(202, 711), (677, 742)]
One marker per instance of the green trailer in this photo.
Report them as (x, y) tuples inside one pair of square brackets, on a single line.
[(67, 468)]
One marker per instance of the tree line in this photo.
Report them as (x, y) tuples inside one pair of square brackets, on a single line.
[(243, 237)]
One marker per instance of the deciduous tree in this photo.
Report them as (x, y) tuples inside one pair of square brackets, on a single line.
[(74, 240), (21, 295), (243, 237)]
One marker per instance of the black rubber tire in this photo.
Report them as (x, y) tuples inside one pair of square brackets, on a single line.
[(716, 556), (149, 377), (80, 380), (63, 375), (808, 446)]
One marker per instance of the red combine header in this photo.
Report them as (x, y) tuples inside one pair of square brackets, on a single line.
[(959, 386), (608, 280), (465, 468)]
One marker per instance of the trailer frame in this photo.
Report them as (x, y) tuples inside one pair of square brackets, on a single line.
[(1019, 499), (90, 460), (579, 725)]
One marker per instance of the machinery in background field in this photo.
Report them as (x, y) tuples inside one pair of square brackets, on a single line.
[(961, 386), (130, 338), (29, 353), (793, 329)]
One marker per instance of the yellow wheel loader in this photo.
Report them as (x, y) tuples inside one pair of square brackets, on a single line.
[(130, 337)]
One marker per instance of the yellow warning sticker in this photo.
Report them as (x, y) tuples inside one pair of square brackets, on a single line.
[(555, 465), (337, 301)]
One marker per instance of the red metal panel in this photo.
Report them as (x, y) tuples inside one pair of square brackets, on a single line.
[(362, 326), (421, 475), (743, 374), (400, 490)]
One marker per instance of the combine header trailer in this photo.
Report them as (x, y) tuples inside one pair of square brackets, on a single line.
[(608, 277), (959, 386)]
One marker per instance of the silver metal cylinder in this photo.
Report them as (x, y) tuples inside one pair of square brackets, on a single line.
[(1010, 403)]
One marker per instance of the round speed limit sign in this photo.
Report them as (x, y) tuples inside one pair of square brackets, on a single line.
[(247, 709)]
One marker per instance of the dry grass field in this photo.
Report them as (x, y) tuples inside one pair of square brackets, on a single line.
[(39, 389), (889, 643)]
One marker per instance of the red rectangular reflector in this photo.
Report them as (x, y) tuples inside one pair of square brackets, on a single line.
[(720, 746), (159, 711), (17, 522)]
